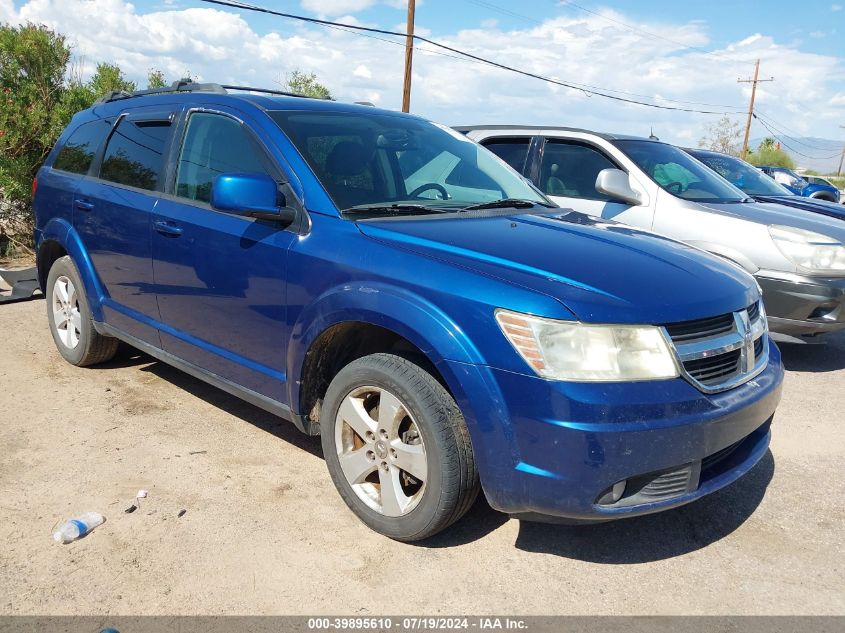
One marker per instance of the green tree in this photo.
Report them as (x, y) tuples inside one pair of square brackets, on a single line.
[(155, 79), (723, 136), (109, 78), (38, 97), (768, 153), (306, 84), (33, 61)]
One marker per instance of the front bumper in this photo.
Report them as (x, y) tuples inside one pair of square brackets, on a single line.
[(803, 306), (552, 449)]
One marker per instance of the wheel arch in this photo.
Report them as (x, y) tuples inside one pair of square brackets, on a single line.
[(351, 322), (59, 238)]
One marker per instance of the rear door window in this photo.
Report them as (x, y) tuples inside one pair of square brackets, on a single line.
[(513, 151), (79, 150), (135, 153)]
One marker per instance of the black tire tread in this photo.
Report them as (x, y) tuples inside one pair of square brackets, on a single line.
[(448, 422), (98, 348)]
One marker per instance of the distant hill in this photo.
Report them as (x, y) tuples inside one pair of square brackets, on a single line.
[(829, 151)]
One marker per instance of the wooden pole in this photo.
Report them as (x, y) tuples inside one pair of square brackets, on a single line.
[(750, 111), (409, 57), (753, 83)]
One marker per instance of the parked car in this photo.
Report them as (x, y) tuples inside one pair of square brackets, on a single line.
[(386, 283), (797, 256), (760, 186), (800, 186)]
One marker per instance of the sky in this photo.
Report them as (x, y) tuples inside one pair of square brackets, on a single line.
[(681, 54)]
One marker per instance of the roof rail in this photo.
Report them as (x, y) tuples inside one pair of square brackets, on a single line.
[(188, 85)]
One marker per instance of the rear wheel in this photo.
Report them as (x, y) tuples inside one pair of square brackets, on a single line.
[(397, 448), (71, 322)]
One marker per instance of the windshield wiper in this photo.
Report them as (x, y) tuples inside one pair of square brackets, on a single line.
[(392, 209), (505, 203)]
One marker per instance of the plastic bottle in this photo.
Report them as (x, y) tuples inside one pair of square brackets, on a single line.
[(75, 528)]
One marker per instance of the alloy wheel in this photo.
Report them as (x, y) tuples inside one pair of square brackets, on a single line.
[(381, 451)]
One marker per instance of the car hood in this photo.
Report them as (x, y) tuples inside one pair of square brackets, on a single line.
[(601, 272), (824, 207), (775, 213)]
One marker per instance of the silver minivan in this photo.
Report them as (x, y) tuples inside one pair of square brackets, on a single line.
[(797, 256)]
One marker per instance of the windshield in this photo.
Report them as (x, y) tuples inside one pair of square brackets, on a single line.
[(679, 173), (740, 174), (395, 163)]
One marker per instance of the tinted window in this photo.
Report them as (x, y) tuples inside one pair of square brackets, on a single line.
[(513, 151), (679, 173), (571, 170), (214, 144), (379, 159), (78, 152), (134, 155), (740, 174)]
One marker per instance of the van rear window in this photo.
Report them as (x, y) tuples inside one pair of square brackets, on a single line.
[(135, 153), (78, 152)]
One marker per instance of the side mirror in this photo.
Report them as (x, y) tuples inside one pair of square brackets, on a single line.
[(615, 183), (252, 195)]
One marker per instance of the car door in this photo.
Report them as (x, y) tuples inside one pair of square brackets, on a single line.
[(567, 174), (112, 211), (220, 278)]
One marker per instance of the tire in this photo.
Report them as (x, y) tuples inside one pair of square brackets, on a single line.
[(70, 318), (438, 488)]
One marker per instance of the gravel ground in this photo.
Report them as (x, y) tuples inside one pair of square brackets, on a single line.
[(265, 532)]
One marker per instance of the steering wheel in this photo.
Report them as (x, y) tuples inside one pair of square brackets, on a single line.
[(677, 184), (429, 185)]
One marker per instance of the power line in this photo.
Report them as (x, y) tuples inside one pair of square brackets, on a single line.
[(649, 33), (790, 148), (600, 92), (780, 128)]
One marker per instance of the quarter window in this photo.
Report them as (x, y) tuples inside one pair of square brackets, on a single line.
[(513, 151), (78, 152), (570, 170), (214, 144), (134, 155)]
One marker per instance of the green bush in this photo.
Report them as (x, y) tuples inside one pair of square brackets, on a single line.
[(38, 97)]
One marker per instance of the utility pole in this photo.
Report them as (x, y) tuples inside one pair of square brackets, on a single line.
[(409, 57), (753, 83), (841, 158)]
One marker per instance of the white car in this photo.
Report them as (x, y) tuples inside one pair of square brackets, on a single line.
[(797, 256)]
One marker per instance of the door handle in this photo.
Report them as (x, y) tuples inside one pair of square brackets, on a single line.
[(168, 229), (83, 205)]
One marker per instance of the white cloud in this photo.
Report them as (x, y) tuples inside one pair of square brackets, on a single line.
[(7, 11), (362, 71), (221, 46), (336, 7), (836, 7)]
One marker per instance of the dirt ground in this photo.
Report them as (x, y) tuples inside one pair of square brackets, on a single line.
[(265, 532)]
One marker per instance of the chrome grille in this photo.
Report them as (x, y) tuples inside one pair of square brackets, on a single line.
[(722, 352)]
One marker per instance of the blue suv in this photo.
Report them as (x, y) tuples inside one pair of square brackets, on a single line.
[(386, 283)]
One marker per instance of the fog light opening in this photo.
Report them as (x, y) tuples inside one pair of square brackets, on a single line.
[(618, 490), (614, 494)]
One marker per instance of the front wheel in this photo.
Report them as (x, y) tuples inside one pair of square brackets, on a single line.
[(397, 448)]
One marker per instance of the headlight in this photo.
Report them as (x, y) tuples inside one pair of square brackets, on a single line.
[(812, 251), (567, 350)]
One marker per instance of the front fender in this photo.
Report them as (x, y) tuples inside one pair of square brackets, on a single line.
[(60, 231), (398, 310)]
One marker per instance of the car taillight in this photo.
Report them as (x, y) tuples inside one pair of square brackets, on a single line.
[(34, 186)]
